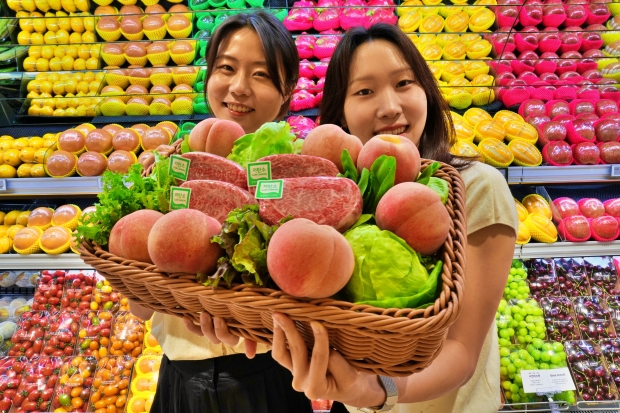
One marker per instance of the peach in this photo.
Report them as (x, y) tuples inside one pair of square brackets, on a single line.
[(328, 141), (114, 243), (406, 154), (415, 213), (180, 241), (135, 233), (215, 136), (306, 259)]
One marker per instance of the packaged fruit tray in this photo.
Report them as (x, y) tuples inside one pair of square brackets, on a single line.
[(393, 342)]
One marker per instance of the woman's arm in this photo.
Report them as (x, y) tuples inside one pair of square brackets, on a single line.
[(327, 375), (142, 313)]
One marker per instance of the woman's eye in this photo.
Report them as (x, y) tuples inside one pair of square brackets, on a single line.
[(228, 68), (364, 92), (262, 74), (404, 83)]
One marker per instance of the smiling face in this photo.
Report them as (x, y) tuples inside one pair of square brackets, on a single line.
[(383, 95), (239, 88)]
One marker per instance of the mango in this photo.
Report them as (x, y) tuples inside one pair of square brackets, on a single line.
[(523, 234), (522, 213), (541, 228), (525, 153), (495, 152), (535, 203)]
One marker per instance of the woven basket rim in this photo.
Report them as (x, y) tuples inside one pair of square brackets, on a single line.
[(442, 303)]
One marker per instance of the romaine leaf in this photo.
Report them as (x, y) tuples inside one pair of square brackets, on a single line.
[(428, 172), (441, 187), (350, 171)]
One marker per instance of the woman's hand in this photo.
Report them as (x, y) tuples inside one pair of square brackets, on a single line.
[(327, 375), (216, 330)]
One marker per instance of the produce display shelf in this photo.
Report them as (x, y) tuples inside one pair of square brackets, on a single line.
[(567, 249), (536, 407), (516, 175), (76, 186), (42, 262)]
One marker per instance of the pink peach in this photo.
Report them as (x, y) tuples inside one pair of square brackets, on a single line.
[(215, 136), (135, 233), (328, 141), (406, 154)]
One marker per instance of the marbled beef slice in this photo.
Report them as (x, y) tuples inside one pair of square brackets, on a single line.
[(216, 198)]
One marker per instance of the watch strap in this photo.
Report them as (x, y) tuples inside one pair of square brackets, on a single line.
[(391, 392)]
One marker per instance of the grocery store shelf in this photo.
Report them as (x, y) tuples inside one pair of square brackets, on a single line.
[(562, 174), (567, 249), (42, 262), (20, 187)]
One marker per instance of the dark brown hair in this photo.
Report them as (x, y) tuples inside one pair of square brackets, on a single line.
[(438, 131), (278, 45)]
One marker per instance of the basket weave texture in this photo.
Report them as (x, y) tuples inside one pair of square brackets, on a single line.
[(393, 342)]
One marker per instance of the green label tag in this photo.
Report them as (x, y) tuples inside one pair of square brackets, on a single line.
[(179, 167), (269, 189), (258, 171), (179, 197)]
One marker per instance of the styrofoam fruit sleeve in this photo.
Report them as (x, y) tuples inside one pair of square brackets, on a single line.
[(564, 234), (34, 248), (532, 223)]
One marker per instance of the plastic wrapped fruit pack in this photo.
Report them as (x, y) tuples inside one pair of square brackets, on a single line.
[(127, 335), (541, 274), (559, 318), (572, 277), (94, 334), (111, 384), (61, 334), (78, 289), (594, 383), (602, 274), (29, 338), (74, 386), (49, 291), (593, 318), (35, 392), (11, 376)]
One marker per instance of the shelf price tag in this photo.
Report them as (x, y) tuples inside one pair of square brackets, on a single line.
[(615, 171), (179, 167), (258, 171), (179, 197), (269, 189), (2, 184), (547, 381)]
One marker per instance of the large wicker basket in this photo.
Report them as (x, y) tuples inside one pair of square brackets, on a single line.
[(395, 342)]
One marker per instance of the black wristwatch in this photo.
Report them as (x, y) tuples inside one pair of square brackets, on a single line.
[(392, 396)]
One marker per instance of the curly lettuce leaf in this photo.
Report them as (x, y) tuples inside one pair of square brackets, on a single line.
[(270, 139), (388, 273)]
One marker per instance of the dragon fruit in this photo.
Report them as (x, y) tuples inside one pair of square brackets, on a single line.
[(301, 16), (327, 19), (320, 68), (320, 83), (354, 14), (325, 46), (305, 84), (317, 99), (302, 100), (383, 4), (329, 3), (305, 46), (306, 68), (300, 126), (381, 15)]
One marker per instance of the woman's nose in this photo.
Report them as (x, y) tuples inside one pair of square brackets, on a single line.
[(240, 84), (389, 106)]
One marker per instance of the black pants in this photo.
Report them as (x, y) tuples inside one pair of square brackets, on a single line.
[(228, 384), (338, 407)]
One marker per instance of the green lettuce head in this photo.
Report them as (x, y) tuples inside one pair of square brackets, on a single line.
[(388, 272), (272, 138)]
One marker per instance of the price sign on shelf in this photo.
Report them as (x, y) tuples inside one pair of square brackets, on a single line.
[(2, 184), (547, 381), (615, 171)]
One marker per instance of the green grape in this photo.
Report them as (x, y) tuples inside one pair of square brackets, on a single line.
[(506, 385), (504, 352)]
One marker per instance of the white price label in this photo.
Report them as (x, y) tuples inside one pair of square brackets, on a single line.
[(615, 171), (2, 184), (547, 381)]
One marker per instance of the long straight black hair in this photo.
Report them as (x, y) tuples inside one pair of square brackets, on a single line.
[(279, 47), (438, 133)]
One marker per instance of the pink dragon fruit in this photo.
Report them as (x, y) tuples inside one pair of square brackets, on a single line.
[(301, 16), (301, 126), (384, 4), (329, 3), (320, 83), (381, 15), (317, 99), (305, 46), (325, 46), (302, 100), (305, 84), (320, 68), (354, 14), (306, 68), (327, 19)]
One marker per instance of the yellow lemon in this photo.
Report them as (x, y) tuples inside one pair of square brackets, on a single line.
[(47, 52), (55, 4), (32, 95), (92, 63), (55, 64), (11, 157), (37, 38), (88, 37), (15, 228), (22, 218), (23, 37), (77, 24), (89, 24), (47, 87), (75, 38), (84, 51), (5, 145), (68, 5), (5, 245), (29, 5), (21, 143), (26, 25), (39, 155), (34, 51), (39, 25), (70, 112), (37, 171), (59, 87), (81, 5), (14, 5), (46, 111), (67, 62), (79, 64), (51, 22), (36, 142), (61, 103), (64, 23), (7, 171), (24, 172), (27, 155), (62, 36), (80, 110), (59, 112), (95, 51), (30, 64), (6, 138), (11, 217), (42, 5), (88, 77), (70, 86), (43, 65), (94, 86)]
